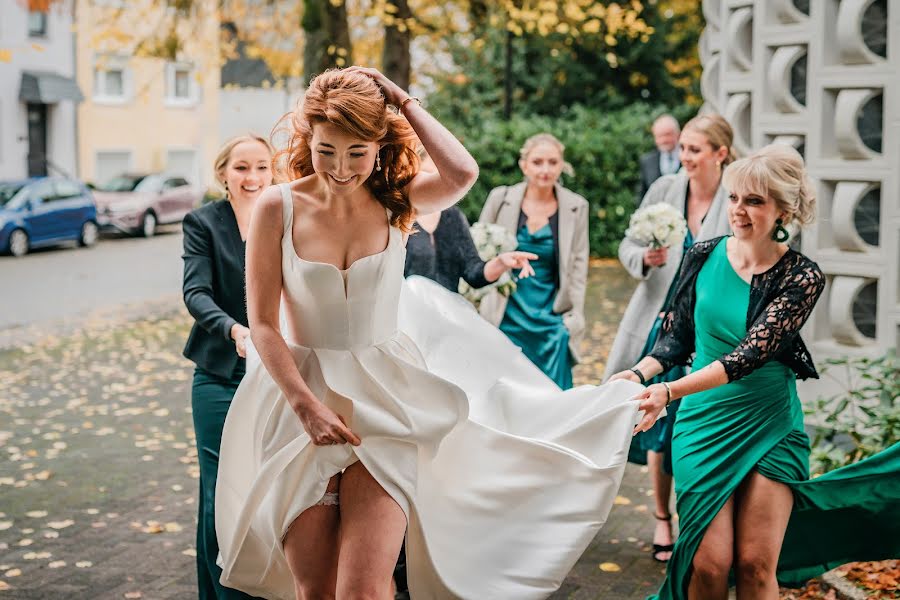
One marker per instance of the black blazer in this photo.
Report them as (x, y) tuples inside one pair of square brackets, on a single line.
[(446, 255), (214, 287), (649, 173)]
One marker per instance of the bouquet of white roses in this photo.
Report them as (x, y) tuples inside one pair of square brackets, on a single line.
[(658, 226), (491, 240)]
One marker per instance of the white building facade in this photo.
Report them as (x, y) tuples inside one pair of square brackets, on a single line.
[(38, 130), (254, 109), (824, 76), (252, 99)]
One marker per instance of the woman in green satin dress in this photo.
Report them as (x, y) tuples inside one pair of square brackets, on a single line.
[(529, 321), (545, 315), (741, 457)]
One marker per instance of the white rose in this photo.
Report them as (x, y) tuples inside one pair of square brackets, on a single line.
[(479, 235)]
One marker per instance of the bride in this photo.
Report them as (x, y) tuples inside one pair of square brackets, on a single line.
[(374, 408)]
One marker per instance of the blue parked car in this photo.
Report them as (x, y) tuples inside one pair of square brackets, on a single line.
[(44, 211)]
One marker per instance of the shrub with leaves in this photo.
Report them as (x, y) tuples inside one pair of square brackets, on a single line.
[(860, 420), (603, 146)]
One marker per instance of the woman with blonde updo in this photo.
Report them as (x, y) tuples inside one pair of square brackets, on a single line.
[(740, 453), (374, 405), (698, 194), (214, 245), (545, 315)]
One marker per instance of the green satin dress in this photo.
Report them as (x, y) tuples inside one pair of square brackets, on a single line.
[(756, 423), (529, 320)]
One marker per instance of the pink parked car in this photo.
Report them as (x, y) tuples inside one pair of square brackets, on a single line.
[(136, 204)]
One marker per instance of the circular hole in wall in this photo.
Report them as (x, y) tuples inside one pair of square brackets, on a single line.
[(874, 27), (798, 79), (867, 216), (869, 123), (865, 306), (802, 6)]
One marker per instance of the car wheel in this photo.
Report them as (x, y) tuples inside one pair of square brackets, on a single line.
[(148, 225), (18, 243), (89, 234)]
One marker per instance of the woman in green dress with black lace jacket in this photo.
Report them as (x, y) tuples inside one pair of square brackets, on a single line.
[(741, 457)]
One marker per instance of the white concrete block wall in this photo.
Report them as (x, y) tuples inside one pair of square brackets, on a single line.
[(748, 51)]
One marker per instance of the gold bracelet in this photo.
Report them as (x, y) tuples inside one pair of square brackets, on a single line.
[(668, 393), (408, 98)]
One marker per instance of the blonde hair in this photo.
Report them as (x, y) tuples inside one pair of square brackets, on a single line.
[(228, 147), (546, 138), (355, 103), (777, 172), (717, 131)]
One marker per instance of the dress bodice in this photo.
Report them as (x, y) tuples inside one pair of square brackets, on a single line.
[(326, 307)]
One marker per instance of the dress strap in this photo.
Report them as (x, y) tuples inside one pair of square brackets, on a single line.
[(403, 236), (287, 208)]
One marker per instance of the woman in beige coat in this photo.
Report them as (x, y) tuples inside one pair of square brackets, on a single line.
[(545, 315), (698, 194)]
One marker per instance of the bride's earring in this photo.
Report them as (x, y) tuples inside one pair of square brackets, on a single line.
[(378, 161)]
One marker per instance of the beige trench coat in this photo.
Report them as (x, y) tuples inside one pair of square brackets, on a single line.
[(648, 298), (502, 207)]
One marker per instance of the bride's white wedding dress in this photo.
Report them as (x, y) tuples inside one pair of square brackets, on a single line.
[(504, 478)]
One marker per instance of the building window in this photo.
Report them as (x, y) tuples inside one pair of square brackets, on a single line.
[(182, 162), (181, 87), (37, 23), (111, 80), (111, 163)]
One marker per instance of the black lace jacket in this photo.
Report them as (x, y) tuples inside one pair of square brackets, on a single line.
[(781, 300)]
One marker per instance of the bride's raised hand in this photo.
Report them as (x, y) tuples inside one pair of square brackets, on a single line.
[(653, 400), (393, 93), (324, 426)]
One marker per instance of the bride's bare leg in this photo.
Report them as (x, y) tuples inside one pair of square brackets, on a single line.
[(372, 529), (312, 545)]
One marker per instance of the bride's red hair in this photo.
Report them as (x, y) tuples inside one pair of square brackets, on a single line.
[(356, 104)]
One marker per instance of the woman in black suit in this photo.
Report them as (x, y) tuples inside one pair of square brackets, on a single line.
[(214, 244)]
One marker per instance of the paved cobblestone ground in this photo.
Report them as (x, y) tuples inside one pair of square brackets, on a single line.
[(98, 468)]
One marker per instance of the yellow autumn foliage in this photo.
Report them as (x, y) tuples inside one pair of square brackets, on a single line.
[(273, 31)]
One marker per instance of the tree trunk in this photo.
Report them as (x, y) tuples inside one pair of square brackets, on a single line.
[(508, 77), (395, 59), (479, 14), (325, 28)]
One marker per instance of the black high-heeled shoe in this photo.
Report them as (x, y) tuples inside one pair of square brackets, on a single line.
[(660, 548)]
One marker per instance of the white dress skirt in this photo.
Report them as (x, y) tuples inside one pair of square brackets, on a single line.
[(504, 478)]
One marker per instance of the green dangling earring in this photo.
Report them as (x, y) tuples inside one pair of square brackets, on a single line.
[(780, 235)]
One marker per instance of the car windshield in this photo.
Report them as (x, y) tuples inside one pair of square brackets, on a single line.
[(8, 191), (150, 183), (123, 183)]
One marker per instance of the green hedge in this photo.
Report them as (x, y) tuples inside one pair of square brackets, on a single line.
[(603, 147)]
